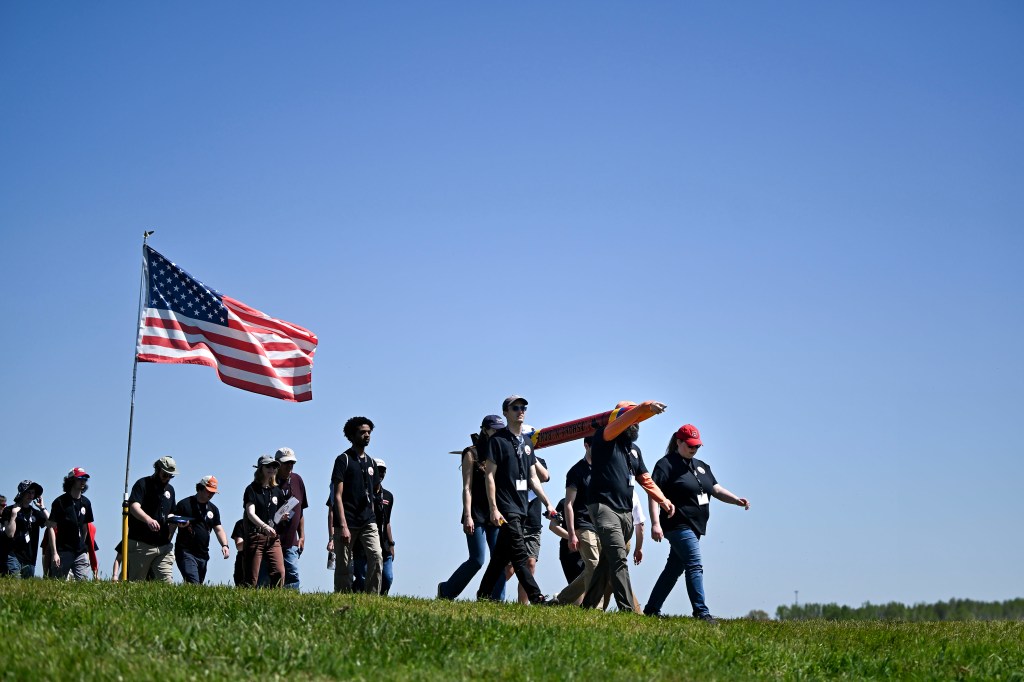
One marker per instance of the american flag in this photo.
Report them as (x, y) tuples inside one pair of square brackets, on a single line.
[(186, 322)]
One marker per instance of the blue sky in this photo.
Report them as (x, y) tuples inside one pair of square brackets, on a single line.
[(797, 224)]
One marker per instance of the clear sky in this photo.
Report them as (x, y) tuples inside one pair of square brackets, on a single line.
[(798, 224)]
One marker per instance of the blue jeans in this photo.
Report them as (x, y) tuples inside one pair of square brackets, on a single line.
[(191, 567), (684, 557), (387, 573), (19, 570), (291, 567), (479, 543)]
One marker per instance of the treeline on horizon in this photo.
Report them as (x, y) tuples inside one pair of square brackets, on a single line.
[(952, 610)]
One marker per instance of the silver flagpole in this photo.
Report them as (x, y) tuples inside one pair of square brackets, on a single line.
[(131, 413)]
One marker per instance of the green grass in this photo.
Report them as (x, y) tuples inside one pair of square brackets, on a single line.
[(97, 631)]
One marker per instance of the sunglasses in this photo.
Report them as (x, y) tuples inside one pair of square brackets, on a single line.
[(517, 408)]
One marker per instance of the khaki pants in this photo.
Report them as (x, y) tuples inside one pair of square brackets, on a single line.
[(614, 530), (367, 537), (150, 562), (590, 552)]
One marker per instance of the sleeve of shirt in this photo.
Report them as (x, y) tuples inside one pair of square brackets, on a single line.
[(494, 451), (302, 487), (711, 474), (570, 479), (660, 475), (641, 468), (138, 491), (88, 512), (338, 474), (248, 497)]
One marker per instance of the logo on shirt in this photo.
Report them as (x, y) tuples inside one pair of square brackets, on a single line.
[(209, 515), (369, 471), (274, 499), (700, 470), (633, 452), (527, 449), (81, 512), (167, 494)]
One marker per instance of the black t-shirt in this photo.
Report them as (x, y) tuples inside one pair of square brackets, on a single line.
[(266, 500), (479, 509), (358, 475), (158, 502), (24, 546), (72, 518), (614, 466), (682, 483), (578, 477), (386, 502), (512, 456), (195, 537)]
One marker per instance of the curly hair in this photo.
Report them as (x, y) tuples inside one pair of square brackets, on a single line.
[(353, 425)]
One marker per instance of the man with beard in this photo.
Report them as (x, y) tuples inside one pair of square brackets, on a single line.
[(151, 503), (354, 479), (616, 462)]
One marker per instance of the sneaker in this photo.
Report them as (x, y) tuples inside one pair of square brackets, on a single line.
[(440, 594), (657, 614), (547, 601), (708, 618)]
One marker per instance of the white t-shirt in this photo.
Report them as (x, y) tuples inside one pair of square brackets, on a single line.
[(638, 511)]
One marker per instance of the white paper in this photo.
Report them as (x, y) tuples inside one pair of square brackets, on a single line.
[(292, 503)]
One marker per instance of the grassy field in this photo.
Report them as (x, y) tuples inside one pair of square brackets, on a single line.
[(100, 631)]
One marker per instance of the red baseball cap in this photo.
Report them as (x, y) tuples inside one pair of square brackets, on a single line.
[(689, 434), (77, 472)]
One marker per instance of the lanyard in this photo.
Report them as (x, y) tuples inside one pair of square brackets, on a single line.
[(693, 470)]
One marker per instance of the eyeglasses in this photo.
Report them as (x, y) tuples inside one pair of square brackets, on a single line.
[(517, 408), (167, 474), (692, 447)]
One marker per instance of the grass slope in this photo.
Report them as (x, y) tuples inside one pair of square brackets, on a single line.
[(98, 631)]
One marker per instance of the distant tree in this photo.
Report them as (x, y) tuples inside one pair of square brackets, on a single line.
[(758, 614), (953, 610)]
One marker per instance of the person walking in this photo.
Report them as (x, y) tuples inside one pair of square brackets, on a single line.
[(690, 484), (354, 479), (150, 528), (481, 535), (261, 500), (384, 502), (67, 531), (22, 523), (293, 533), (511, 471), (192, 546), (616, 462)]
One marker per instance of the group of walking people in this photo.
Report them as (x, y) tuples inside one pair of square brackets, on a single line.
[(599, 512), (503, 503)]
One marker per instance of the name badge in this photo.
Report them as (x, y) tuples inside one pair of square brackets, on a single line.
[(703, 499), (521, 484)]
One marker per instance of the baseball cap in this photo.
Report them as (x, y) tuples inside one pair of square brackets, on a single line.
[(77, 472), (285, 455), (167, 464), (689, 434), (264, 460), (492, 421), (380, 464), (28, 485), (209, 482), (511, 399)]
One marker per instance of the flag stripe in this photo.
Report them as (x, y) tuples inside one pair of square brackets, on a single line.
[(186, 322)]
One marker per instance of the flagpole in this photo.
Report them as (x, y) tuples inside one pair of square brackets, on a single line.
[(131, 414)]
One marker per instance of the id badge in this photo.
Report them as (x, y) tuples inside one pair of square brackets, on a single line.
[(521, 484), (703, 499)]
